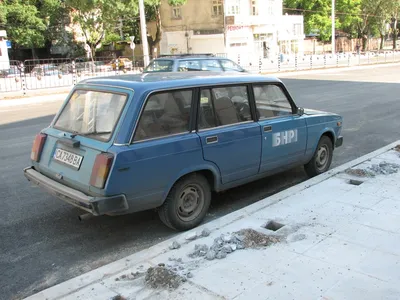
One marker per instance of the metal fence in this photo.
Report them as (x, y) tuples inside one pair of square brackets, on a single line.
[(283, 63), (36, 74)]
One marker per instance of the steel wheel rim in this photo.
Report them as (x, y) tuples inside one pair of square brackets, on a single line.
[(190, 202), (322, 157)]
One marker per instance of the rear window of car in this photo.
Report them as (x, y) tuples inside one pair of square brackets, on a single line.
[(160, 65), (91, 113)]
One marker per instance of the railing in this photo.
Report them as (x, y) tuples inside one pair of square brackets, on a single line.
[(307, 62), (33, 74), (51, 73)]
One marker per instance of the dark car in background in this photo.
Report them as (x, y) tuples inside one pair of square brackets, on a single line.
[(192, 62)]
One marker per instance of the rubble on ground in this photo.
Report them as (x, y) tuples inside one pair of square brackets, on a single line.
[(397, 148), (162, 277), (383, 168)]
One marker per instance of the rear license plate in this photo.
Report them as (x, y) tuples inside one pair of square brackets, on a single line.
[(68, 158)]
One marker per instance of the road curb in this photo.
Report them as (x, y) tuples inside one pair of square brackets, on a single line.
[(95, 276)]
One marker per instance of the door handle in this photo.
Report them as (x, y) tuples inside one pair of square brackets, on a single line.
[(267, 128), (211, 139)]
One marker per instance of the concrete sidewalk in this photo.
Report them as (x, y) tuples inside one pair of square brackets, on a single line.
[(340, 239)]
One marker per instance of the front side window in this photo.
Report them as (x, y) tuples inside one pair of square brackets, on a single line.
[(271, 101), (223, 106), (165, 114), (211, 65), (229, 65), (91, 113), (160, 65)]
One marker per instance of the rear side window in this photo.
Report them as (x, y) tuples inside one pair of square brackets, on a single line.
[(223, 106), (160, 65), (189, 65), (91, 113), (165, 114)]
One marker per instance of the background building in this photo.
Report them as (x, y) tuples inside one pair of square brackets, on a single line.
[(196, 27), (249, 28)]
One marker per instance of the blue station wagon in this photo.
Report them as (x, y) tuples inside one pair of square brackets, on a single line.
[(130, 143)]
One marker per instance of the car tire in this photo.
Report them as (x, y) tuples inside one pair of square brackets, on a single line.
[(322, 158), (187, 203)]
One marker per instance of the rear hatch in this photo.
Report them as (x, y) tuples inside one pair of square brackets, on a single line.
[(84, 128)]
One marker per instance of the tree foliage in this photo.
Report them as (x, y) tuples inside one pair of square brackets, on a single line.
[(357, 18)]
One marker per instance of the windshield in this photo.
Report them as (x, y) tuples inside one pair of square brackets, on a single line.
[(160, 65), (91, 113)]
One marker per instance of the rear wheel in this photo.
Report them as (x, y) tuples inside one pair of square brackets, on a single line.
[(187, 203), (322, 159)]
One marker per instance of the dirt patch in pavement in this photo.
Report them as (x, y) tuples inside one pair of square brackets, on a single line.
[(162, 277), (383, 168), (359, 173), (254, 239)]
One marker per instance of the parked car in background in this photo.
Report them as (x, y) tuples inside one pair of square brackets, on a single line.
[(45, 70), (192, 62), (13, 72), (166, 141), (123, 63)]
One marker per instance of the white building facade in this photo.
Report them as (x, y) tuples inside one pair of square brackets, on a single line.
[(258, 28), (248, 28), (4, 59)]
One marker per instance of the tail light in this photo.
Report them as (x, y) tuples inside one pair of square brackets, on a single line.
[(37, 147), (101, 169)]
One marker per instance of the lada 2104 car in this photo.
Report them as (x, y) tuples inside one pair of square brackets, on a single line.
[(135, 142)]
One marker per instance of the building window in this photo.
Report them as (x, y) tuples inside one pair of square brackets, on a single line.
[(176, 12), (238, 44), (217, 8), (297, 29), (234, 7), (253, 8), (271, 4)]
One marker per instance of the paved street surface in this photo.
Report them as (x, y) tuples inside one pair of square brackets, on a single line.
[(42, 241), (301, 243)]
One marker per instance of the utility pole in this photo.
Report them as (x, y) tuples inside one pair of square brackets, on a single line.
[(333, 28), (143, 32)]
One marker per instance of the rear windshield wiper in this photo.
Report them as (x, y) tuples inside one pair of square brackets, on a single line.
[(94, 133)]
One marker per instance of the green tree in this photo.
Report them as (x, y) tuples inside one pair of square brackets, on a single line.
[(25, 27), (316, 16), (97, 17)]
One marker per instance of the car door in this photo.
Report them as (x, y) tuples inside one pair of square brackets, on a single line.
[(284, 133), (230, 138)]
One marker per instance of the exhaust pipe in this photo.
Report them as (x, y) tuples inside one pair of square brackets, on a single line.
[(85, 217)]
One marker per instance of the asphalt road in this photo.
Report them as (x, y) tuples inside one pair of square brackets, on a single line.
[(42, 243)]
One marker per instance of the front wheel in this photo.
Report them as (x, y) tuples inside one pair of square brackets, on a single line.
[(187, 203), (322, 159)]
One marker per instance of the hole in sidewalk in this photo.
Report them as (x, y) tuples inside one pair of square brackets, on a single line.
[(355, 182), (273, 225)]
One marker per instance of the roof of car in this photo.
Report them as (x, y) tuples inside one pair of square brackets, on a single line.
[(165, 80)]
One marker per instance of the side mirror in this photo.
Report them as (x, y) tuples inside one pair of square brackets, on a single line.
[(300, 111)]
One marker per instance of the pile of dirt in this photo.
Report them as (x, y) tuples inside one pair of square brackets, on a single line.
[(254, 239), (383, 168), (397, 148), (359, 173), (162, 277)]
